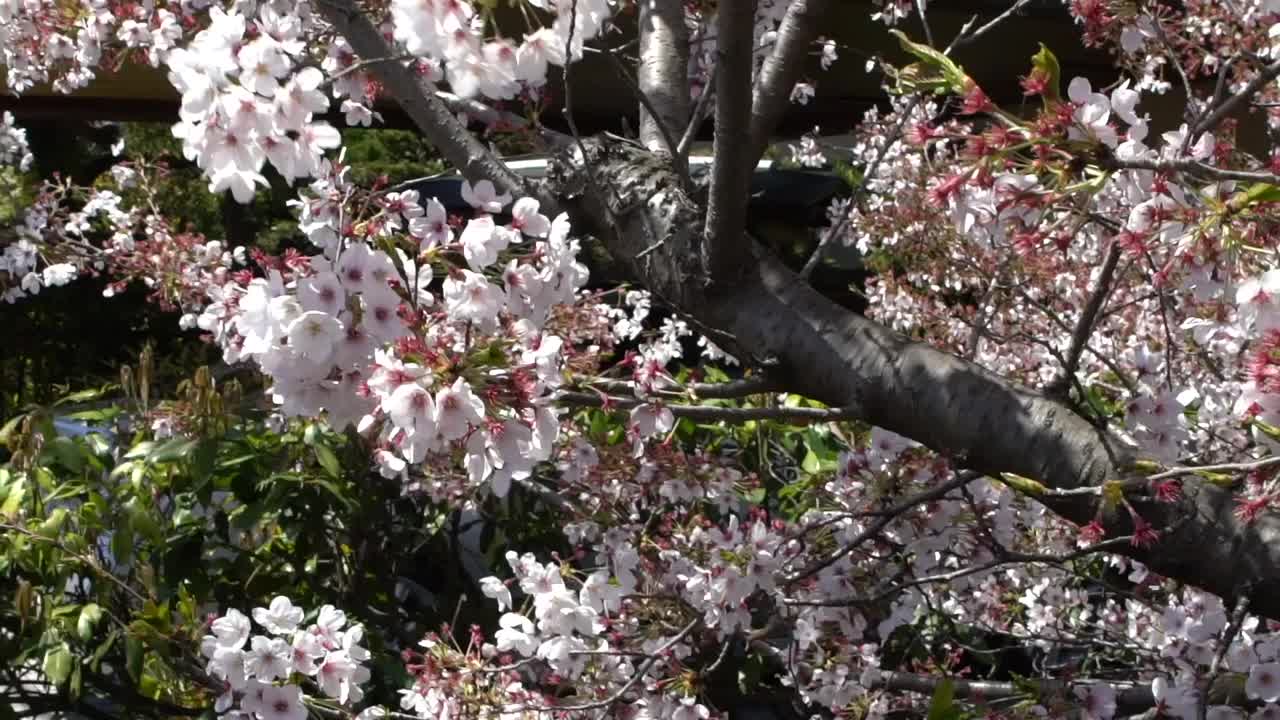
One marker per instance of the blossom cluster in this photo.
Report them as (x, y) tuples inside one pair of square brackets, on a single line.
[(1024, 251), (263, 675), (246, 101), (460, 367), (14, 151), (451, 36), (71, 231), (572, 632)]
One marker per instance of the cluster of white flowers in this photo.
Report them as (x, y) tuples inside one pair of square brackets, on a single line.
[(1003, 215), (14, 151), (263, 674), (1157, 423), (568, 622), (361, 338), (245, 101), (808, 152), (452, 35), (21, 259), (1258, 317)]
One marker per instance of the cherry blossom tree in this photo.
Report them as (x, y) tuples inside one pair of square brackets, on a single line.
[(1052, 431)]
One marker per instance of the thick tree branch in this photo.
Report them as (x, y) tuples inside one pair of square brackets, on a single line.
[(770, 317), (731, 173), (782, 70), (816, 348), (486, 114), (663, 73)]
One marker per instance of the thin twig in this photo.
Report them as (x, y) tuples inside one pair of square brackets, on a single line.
[(1224, 644), (1088, 319), (704, 413), (667, 139), (718, 391), (698, 117), (1210, 121), (639, 674), (964, 38), (924, 22), (87, 560), (1131, 696), (362, 64), (1198, 169), (838, 227), (1006, 559), (1223, 468), (960, 480)]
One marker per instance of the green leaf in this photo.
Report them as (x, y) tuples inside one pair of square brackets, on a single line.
[(203, 460), (24, 601), (89, 616), (949, 75), (170, 450), (122, 543), (77, 683), (66, 452), (750, 674), (95, 416), (96, 659), (53, 524), (1256, 193), (943, 705), (811, 464), (97, 444), (240, 460), (13, 499), (328, 460), (140, 450), (85, 395), (1047, 63), (9, 427), (133, 652), (57, 663), (149, 686), (335, 491), (1024, 485), (142, 521)]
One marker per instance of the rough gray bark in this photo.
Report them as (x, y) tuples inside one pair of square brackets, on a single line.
[(811, 346), (731, 173), (663, 73), (782, 69), (631, 200)]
